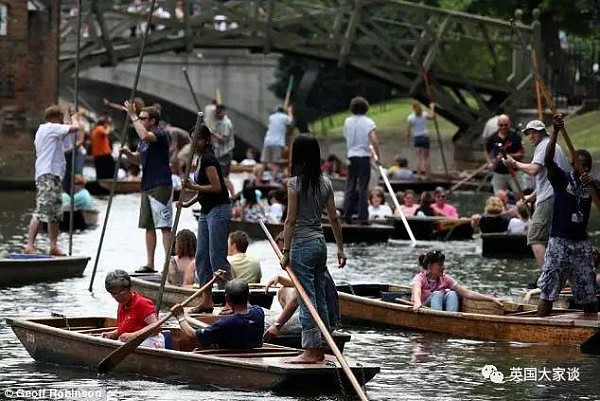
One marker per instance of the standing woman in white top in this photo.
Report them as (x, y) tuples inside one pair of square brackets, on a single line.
[(417, 125), (359, 131)]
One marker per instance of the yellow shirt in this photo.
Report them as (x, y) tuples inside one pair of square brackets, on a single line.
[(245, 268)]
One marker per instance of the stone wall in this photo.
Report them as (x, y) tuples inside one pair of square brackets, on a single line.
[(28, 82)]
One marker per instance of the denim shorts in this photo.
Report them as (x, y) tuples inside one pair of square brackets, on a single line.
[(421, 141)]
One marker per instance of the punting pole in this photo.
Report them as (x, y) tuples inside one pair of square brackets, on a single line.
[(288, 93), (188, 167), (550, 103), (191, 88), (76, 133), (467, 178), (435, 122), (316, 317), (122, 140), (413, 241)]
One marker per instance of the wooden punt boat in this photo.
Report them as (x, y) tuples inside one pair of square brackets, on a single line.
[(103, 186), (339, 184), (433, 228), (353, 233), (480, 320), (19, 269), (78, 342), (503, 245), (286, 340), (565, 298), (82, 219), (149, 284)]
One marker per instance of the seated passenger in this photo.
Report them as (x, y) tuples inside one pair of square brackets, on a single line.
[(134, 312), (425, 209), (409, 207), (242, 266), (276, 199), (83, 199), (440, 207), (182, 266), (241, 330), (492, 221), (252, 210), (378, 210), (520, 224), (439, 291), (400, 170)]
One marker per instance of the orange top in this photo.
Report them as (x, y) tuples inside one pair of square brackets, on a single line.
[(100, 142)]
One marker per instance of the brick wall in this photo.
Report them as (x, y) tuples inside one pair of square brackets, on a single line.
[(28, 82)]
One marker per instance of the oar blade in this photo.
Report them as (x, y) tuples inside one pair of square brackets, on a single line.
[(115, 357)]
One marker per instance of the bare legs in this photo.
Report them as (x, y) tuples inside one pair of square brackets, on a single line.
[(34, 229), (539, 251), (151, 244), (423, 164)]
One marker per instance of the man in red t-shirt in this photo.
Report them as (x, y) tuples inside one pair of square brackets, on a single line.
[(134, 312)]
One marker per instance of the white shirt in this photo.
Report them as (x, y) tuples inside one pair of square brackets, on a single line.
[(516, 226), (50, 157), (543, 188), (277, 129), (380, 212), (275, 213), (418, 124), (356, 131)]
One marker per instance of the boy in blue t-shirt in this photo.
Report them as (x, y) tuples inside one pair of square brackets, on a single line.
[(569, 254), (241, 330)]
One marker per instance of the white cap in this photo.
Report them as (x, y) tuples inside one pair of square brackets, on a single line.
[(535, 125)]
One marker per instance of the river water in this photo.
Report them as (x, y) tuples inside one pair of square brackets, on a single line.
[(414, 365)]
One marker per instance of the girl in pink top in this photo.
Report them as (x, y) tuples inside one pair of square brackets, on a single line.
[(437, 290), (440, 207)]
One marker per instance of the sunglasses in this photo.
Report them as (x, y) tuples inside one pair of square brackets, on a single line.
[(502, 125)]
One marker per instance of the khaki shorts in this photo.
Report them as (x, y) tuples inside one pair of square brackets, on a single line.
[(156, 210), (48, 199), (271, 154), (541, 221)]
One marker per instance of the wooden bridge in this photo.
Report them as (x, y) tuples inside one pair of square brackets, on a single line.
[(396, 41)]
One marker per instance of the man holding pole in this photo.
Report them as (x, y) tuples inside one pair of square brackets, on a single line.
[(543, 195), (275, 138), (223, 140), (157, 190), (50, 166)]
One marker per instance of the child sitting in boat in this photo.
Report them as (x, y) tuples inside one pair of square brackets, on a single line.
[(276, 199), (437, 290), (520, 224), (134, 312), (83, 199), (425, 208), (378, 210), (252, 210), (400, 170), (182, 267), (409, 206), (241, 330)]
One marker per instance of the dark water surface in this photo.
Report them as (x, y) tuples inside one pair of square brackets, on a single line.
[(414, 365)]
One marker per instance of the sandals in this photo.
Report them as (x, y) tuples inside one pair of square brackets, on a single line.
[(146, 269)]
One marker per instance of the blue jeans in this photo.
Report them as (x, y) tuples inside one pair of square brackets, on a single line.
[(309, 262), (211, 253), (440, 300), (357, 188)]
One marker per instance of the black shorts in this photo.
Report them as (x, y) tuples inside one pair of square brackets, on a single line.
[(421, 141)]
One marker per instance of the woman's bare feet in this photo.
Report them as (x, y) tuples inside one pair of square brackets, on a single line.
[(55, 251), (310, 355)]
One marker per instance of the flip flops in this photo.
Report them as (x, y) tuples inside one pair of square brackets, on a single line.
[(146, 269)]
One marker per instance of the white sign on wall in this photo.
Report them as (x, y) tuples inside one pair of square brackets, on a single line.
[(3, 19)]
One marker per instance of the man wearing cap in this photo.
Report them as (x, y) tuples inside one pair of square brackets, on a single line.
[(503, 140), (570, 253), (543, 195)]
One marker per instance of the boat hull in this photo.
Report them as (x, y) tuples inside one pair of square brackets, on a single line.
[(149, 287), (432, 229), (339, 184), (352, 233), (23, 271), (565, 329), (237, 370), (502, 245)]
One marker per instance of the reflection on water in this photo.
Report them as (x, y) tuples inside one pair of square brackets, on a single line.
[(414, 365)]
